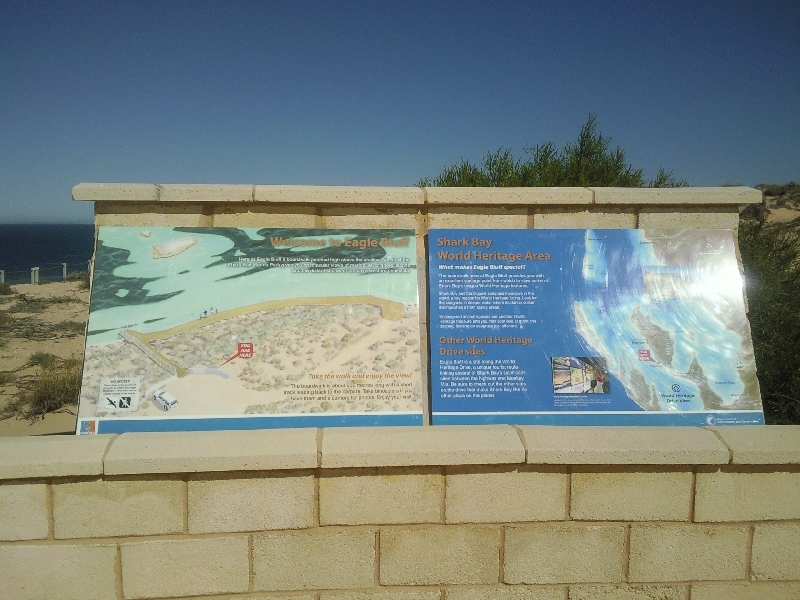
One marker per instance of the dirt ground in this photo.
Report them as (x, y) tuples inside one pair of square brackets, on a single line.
[(15, 351)]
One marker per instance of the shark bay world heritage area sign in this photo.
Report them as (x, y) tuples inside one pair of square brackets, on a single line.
[(604, 327)]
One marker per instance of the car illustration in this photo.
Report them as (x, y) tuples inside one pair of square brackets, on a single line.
[(164, 400)]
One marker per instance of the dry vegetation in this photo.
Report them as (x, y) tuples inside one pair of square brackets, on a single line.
[(41, 354)]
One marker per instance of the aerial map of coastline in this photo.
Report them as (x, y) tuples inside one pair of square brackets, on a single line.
[(611, 327), (220, 328)]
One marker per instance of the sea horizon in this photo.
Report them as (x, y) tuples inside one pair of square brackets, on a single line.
[(48, 246)]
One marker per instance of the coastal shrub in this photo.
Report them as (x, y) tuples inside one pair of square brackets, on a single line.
[(55, 388), (771, 257), (587, 161), (5, 289), (82, 277), (42, 359)]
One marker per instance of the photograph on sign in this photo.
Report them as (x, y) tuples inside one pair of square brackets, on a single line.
[(584, 327), (241, 328)]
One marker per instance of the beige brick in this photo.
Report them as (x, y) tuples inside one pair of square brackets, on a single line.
[(208, 451), (255, 215), (53, 456), (773, 445), (620, 219), (418, 446), (675, 552), (493, 496), (758, 496), (670, 218), (118, 214), (623, 445), (117, 508), (732, 195), (564, 553), (440, 555), (746, 591), (185, 567), (23, 512), (627, 592), (65, 572), (630, 496), (125, 192), (359, 217), (477, 218), (253, 503), (202, 192), (776, 551), (431, 595), (506, 593), (509, 195), (317, 559), (321, 194), (380, 497)]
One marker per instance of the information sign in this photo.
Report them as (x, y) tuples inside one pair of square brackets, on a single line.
[(589, 327), (241, 328)]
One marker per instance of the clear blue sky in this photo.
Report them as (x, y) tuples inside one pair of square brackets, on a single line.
[(383, 93)]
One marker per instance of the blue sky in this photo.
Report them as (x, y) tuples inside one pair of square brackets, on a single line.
[(383, 93)]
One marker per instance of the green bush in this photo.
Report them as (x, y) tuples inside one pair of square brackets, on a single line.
[(589, 161), (771, 257), (5, 289)]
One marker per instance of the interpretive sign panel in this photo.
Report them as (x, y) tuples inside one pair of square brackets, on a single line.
[(240, 328), (589, 327)]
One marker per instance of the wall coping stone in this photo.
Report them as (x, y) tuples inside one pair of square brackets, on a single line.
[(413, 446), (414, 196), (364, 447), (623, 446), (52, 456), (688, 195), (771, 445), (202, 451)]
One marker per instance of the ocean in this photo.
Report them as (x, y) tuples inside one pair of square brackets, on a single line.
[(47, 246)]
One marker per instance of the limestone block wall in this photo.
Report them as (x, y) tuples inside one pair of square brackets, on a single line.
[(425, 513)]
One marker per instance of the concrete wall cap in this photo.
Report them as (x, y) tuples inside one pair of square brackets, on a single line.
[(687, 195), (328, 194), (51, 456), (623, 445), (202, 451), (415, 446), (414, 196), (769, 445), (201, 192), (509, 195), (127, 192)]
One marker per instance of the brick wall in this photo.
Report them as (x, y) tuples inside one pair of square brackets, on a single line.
[(458, 513)]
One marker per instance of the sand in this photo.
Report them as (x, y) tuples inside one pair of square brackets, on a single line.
[(16, 351)]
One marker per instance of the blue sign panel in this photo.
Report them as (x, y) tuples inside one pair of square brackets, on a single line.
[(589, 327)]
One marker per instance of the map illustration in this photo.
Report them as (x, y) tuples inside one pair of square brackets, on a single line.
[(590, 327), (206, 328)]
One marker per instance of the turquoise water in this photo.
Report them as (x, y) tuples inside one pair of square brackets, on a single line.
[(205, 289)]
